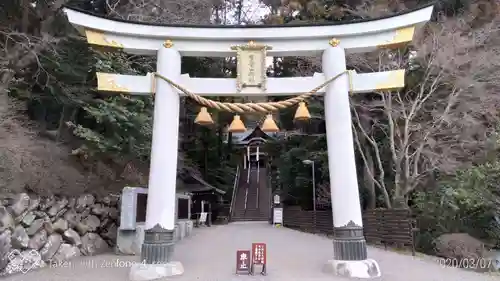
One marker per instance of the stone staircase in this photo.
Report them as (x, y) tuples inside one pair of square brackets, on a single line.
[(257, 207)]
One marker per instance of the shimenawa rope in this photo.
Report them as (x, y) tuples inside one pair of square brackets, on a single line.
[(264, 107)]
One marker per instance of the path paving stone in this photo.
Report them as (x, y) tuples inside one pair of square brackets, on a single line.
[(209, 255)]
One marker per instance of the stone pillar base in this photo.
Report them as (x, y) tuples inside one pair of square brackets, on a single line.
[(353, 269), (145, 272), (158, 246)]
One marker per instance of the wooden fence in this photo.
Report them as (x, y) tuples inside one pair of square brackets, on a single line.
[(388, 227)]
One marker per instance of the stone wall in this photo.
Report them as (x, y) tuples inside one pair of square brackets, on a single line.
[(37, 231)]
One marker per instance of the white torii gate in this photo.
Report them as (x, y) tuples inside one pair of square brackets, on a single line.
[(170, 42)]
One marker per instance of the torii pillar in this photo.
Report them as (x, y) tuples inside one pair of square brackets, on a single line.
[(349, 244), (158, 246)]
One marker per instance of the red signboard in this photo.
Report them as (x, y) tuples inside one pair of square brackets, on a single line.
[(259, 253), (243, 261)]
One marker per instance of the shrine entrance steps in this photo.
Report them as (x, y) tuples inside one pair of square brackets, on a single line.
[(210, 254), (252, 201)]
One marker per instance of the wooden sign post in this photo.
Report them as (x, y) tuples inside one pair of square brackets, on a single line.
[(243, 262), (259, 257)]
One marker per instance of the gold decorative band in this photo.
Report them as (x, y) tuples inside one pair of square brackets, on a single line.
[(403, 36), (96, 37)]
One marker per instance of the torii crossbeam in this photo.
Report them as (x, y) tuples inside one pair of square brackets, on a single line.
[(330, 40)]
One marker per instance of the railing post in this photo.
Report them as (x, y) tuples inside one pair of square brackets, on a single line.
[(235, 186), (315, 224), (246, 197), (258, 185)]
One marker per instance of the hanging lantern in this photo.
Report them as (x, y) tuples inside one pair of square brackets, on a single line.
[(302, 112), (203, 118), (237, 125), (269, 126)]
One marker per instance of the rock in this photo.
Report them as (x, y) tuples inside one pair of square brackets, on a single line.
[(115, 198), (40, 214), (459, 246), (60, 213), (34, 203), (83, 201), (6, 220), (20, 218), (50, 248), (59, 205), (20, 204), (48, 226), (71, 203), (38, 240), (72, 237), (28, 219), (104, 223), (110, 232), (93, 244), (5, 248), (72, 218), (106, 200), (46, 203), (99, 210), (66, 252), (60, 225), (81, 228), (35, 226), (19, 238), (23, 262), (85, 213), (92, 222), (113, 213)]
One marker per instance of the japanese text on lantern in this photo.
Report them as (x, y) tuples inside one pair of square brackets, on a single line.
[(259, 253), (242, 260)]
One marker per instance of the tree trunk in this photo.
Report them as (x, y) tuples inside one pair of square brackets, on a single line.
[(369, 182), (369, 167)]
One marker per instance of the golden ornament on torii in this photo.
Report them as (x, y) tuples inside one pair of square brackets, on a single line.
[(251, 66)]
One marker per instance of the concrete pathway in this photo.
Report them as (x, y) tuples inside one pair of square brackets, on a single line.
[(210, 254)]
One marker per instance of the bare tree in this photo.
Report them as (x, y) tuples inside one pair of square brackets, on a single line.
[(443, 119), (162, 11), (23, 40)]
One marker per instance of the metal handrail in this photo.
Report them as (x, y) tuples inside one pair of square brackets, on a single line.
[(235, 185), (270, 191), (249, 168), (258, 171), (257, 186), (246, 197)]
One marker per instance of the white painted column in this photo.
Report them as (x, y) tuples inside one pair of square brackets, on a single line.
[(341, 160), (163, 169), (349, 245)]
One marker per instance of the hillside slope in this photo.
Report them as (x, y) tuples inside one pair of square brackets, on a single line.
[(31, 163)]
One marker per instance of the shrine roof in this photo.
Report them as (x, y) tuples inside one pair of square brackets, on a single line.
[(244, 138), (328, 23)]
